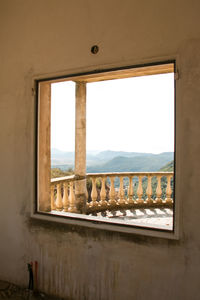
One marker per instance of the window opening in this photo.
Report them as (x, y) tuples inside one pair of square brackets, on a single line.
[(125, 175)]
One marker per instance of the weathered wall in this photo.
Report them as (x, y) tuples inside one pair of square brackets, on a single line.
[(48, 36)]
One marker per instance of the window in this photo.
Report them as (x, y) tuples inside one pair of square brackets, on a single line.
[(124, 179)]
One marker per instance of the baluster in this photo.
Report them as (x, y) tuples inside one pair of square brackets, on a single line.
[(65, 196), (140, 190), (112, 191), (149, 190), (158, 190), (130, 190), (59, 204), (87, 197), (72, 207), (103, 201), (53, 207), (121, 191), (94, 193), (168, 198)]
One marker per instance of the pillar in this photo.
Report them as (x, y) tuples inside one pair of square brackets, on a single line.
[(80, 146)]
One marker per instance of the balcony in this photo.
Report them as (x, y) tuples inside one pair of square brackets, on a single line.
[(114, 195)]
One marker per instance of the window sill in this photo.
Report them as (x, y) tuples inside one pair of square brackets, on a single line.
[(111, 225)]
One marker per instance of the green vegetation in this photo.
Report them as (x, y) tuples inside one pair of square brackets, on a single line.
[(168, 167), (56, 172)]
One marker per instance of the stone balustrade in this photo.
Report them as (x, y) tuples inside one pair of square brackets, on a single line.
[(129, 190), (112, 191), (63, 193)]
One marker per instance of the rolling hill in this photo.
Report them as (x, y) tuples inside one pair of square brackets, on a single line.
[(114, 161), (142, 163), (108, 154)]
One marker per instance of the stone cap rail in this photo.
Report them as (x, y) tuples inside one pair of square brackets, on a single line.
[(67, 179), (129, 174)]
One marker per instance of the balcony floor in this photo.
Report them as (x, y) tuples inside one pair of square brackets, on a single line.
[(156, 218)]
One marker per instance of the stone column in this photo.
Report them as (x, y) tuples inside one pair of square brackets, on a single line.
[(80, 146)]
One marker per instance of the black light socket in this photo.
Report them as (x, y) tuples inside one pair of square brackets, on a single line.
[(94, 49)]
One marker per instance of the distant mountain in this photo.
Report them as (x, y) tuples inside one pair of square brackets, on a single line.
[(108, 154), (113, 161), (138, 163), (59, 157), (59, 153)]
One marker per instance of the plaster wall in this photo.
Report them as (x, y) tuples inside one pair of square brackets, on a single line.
[(51, 36)]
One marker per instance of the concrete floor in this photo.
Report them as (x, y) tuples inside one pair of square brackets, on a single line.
[(10, 291)]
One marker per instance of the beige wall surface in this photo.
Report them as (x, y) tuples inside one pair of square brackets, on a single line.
[(39, 37)]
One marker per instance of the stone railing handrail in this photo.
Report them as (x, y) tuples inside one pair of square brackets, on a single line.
[(67, 178), (127, 174), (102, 195)]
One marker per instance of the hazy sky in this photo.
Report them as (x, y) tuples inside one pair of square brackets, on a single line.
[(134, 114)]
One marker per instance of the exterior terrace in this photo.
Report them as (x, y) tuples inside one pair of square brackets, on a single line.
[(136, 191)]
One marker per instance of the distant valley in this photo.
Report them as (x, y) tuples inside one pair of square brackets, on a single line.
[(113, 161)]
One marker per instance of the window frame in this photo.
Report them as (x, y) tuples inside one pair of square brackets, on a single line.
[(90, 221)]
